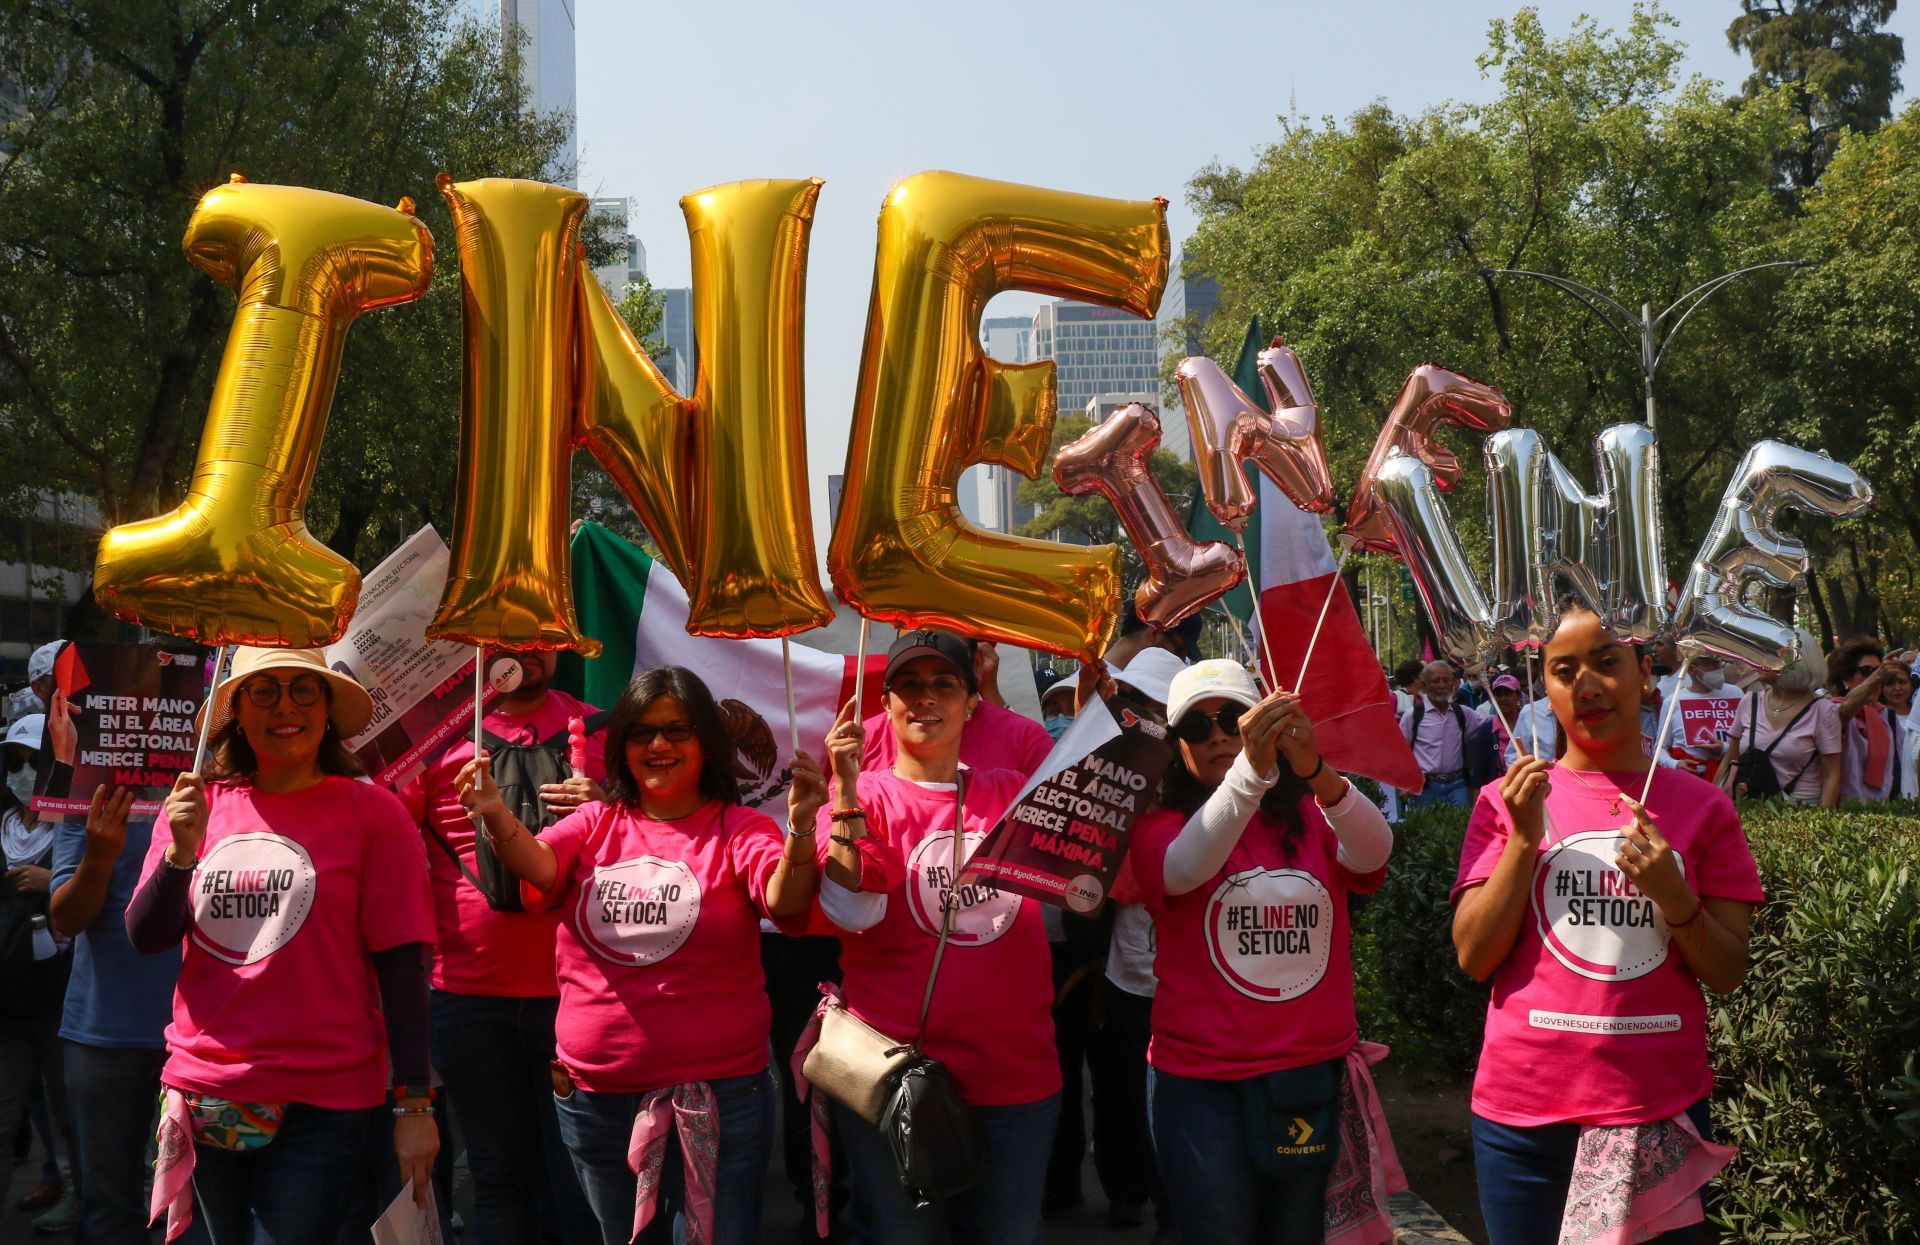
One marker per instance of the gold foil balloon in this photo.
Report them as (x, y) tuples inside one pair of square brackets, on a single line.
[(1432, 396), (1230, 428), (234, 563), (929, 403), (1114, 458), (718, 477)]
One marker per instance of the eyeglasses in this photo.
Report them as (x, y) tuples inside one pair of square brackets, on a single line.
[(304, 691), (16, 762), (1197, 728), (675, 732), (939, 685)]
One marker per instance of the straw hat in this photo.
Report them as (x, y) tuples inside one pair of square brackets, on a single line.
[(350, 708)]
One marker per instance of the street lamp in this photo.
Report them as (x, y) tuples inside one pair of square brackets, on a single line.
[(1641, 329)]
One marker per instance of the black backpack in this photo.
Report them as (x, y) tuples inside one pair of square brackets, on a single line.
[(1754, 770), (519, 770)]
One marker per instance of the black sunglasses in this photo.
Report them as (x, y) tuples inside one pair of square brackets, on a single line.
[(1197, 728)]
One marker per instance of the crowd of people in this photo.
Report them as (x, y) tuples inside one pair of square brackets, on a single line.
[(606, 976)]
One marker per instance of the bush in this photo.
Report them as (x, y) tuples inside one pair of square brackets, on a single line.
[(1815, 1056)]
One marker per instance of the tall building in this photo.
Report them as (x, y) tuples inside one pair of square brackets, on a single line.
[(676, 329), (544, 30), (1008, 339), (1095, 350)]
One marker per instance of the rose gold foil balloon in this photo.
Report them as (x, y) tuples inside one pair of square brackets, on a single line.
[(1432, 396), (1230, 428), (718, 477), (234, 563), (929, 403), (1114, 459)]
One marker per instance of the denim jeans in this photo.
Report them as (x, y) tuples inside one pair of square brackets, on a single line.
[(113, 1092), (291, 1191), (1003, 1209), (494, 1055), (1523, 1175), (1450, 791), (599, 1127), (1200, 1138)]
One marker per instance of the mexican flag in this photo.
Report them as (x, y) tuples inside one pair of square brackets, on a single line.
[(638, 611), (1291, 565)]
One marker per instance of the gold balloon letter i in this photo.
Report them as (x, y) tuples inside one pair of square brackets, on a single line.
[(718, 477), (234, 562), (929, 404)]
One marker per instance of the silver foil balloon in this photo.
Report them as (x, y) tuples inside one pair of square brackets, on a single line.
[(1744, 549), (1408, 497), (1628, 459)]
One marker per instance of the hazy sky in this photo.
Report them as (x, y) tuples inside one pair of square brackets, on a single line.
[(1121, 98)]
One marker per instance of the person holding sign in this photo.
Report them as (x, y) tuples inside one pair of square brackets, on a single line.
[(661, 1033), (890, 863), (1703, 720), (1258, 1083), (301, 895), (1598, 920)]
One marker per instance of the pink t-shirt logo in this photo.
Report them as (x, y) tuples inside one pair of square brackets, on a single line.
[(251, 894), (638, 911), (1591, 916), (1270, 932), (986, 912)]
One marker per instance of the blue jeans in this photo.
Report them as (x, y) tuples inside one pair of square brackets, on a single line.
[(1200, 1138), (291, 1191), (113, 1091), (598, 1128), (1523, 1175), (494, 1055), (1003, 1209), (1452, 791)]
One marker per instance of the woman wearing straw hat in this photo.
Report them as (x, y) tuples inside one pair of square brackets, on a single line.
[(296, 889), (1264, 1119)]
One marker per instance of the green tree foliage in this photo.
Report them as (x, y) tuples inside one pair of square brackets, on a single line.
[(1364, 242), (1842, 68), (121, 114)]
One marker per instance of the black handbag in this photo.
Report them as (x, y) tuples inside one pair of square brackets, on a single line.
[(933, 1138), (1753, 773)]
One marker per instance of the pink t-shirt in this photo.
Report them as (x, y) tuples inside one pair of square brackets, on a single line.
[(991, 1022), (1595, 1016), (993, 738), (480, 951), (1255, 965), (1815, 735), (659, 946), (293, 894)]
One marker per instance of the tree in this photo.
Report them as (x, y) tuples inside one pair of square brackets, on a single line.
[(123, 112), (1843, 70), (1364, 244)]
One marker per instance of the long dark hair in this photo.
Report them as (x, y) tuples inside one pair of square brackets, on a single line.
[(1179, 789), (718, 779), (231, 758)]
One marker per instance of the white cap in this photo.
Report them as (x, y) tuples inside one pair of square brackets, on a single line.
[(1151, 673), (27, 731), (40, 665), (1208, 680)]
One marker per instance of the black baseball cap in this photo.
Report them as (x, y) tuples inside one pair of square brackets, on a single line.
[(926, 642)]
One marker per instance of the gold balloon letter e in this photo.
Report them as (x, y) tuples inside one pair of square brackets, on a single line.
[(930, 404), (234, 562)]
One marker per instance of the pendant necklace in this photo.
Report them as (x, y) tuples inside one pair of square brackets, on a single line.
[(1613, 805)]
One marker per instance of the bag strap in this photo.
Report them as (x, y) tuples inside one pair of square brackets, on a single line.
[(1780, 738), (452, 855), (951, 906)]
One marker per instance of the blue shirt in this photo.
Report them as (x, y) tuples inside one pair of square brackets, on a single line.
[(116, 996)]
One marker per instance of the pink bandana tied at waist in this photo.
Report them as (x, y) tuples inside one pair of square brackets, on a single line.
[(690, 1110), (1631, 1182)]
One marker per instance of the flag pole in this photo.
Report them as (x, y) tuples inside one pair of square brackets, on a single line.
[(793, 722), (1321, 621)]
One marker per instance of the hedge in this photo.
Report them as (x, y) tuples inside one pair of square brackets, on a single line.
[(1816, 1057)]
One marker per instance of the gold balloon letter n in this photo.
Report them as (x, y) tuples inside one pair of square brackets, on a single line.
[(719, 477), (234, 562), (930, 403)]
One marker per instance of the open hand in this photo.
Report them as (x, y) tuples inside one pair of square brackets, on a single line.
[(564, 797)]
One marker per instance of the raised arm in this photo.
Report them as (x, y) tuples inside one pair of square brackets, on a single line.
[(518, 848)]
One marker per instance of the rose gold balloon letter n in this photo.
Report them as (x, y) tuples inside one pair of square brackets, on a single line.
[(718, 476), (930, 403), (234, 562)]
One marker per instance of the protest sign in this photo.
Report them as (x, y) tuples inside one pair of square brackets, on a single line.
[(1707, 721), (123, 716), (422, 690), (1064, 836)]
